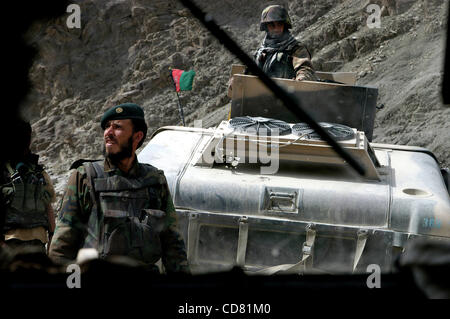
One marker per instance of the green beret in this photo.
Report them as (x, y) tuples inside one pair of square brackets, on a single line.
[(123, 111)]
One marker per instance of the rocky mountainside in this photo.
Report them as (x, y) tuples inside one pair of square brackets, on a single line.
[(124, 49)]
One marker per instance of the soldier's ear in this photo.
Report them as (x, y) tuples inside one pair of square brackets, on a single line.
[(138, 136)]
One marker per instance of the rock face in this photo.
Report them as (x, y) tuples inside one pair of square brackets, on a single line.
[(124, 49)]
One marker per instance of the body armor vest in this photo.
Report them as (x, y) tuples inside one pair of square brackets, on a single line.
[(278, 64), (126, 217), (26, 198)]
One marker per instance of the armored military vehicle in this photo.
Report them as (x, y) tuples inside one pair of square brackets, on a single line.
[(262, 191)]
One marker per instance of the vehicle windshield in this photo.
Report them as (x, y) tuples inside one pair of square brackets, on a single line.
[(370, 73)]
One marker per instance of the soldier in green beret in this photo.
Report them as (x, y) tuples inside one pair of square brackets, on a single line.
[(118, 206)]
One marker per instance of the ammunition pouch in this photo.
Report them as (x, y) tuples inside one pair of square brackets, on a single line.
[(277, 64), (133, 237)]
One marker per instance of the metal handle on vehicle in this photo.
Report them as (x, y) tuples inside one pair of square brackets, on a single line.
[(192, 240), (282, 201), (242, 241)]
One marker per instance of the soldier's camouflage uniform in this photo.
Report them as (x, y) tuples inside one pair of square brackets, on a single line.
[(288, 59), (81, 224), (29, 195)]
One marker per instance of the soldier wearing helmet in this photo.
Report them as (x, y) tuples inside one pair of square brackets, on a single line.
[(280, 54)]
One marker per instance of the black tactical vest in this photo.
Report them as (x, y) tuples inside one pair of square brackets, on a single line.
[(26, 197), (278, 65), (127, 217)]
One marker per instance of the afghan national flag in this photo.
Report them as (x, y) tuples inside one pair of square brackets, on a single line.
[(183, 79)]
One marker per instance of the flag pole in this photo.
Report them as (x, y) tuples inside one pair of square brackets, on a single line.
[(178, 99)]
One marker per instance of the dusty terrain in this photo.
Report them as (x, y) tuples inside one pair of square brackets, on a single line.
[(124, 49)]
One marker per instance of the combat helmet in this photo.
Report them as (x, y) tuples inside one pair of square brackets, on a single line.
[(274, 13)]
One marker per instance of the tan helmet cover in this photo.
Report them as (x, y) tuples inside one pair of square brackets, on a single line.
[(274, 13)]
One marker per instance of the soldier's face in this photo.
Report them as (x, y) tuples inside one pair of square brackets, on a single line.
[(275, 29), (118, 137)]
